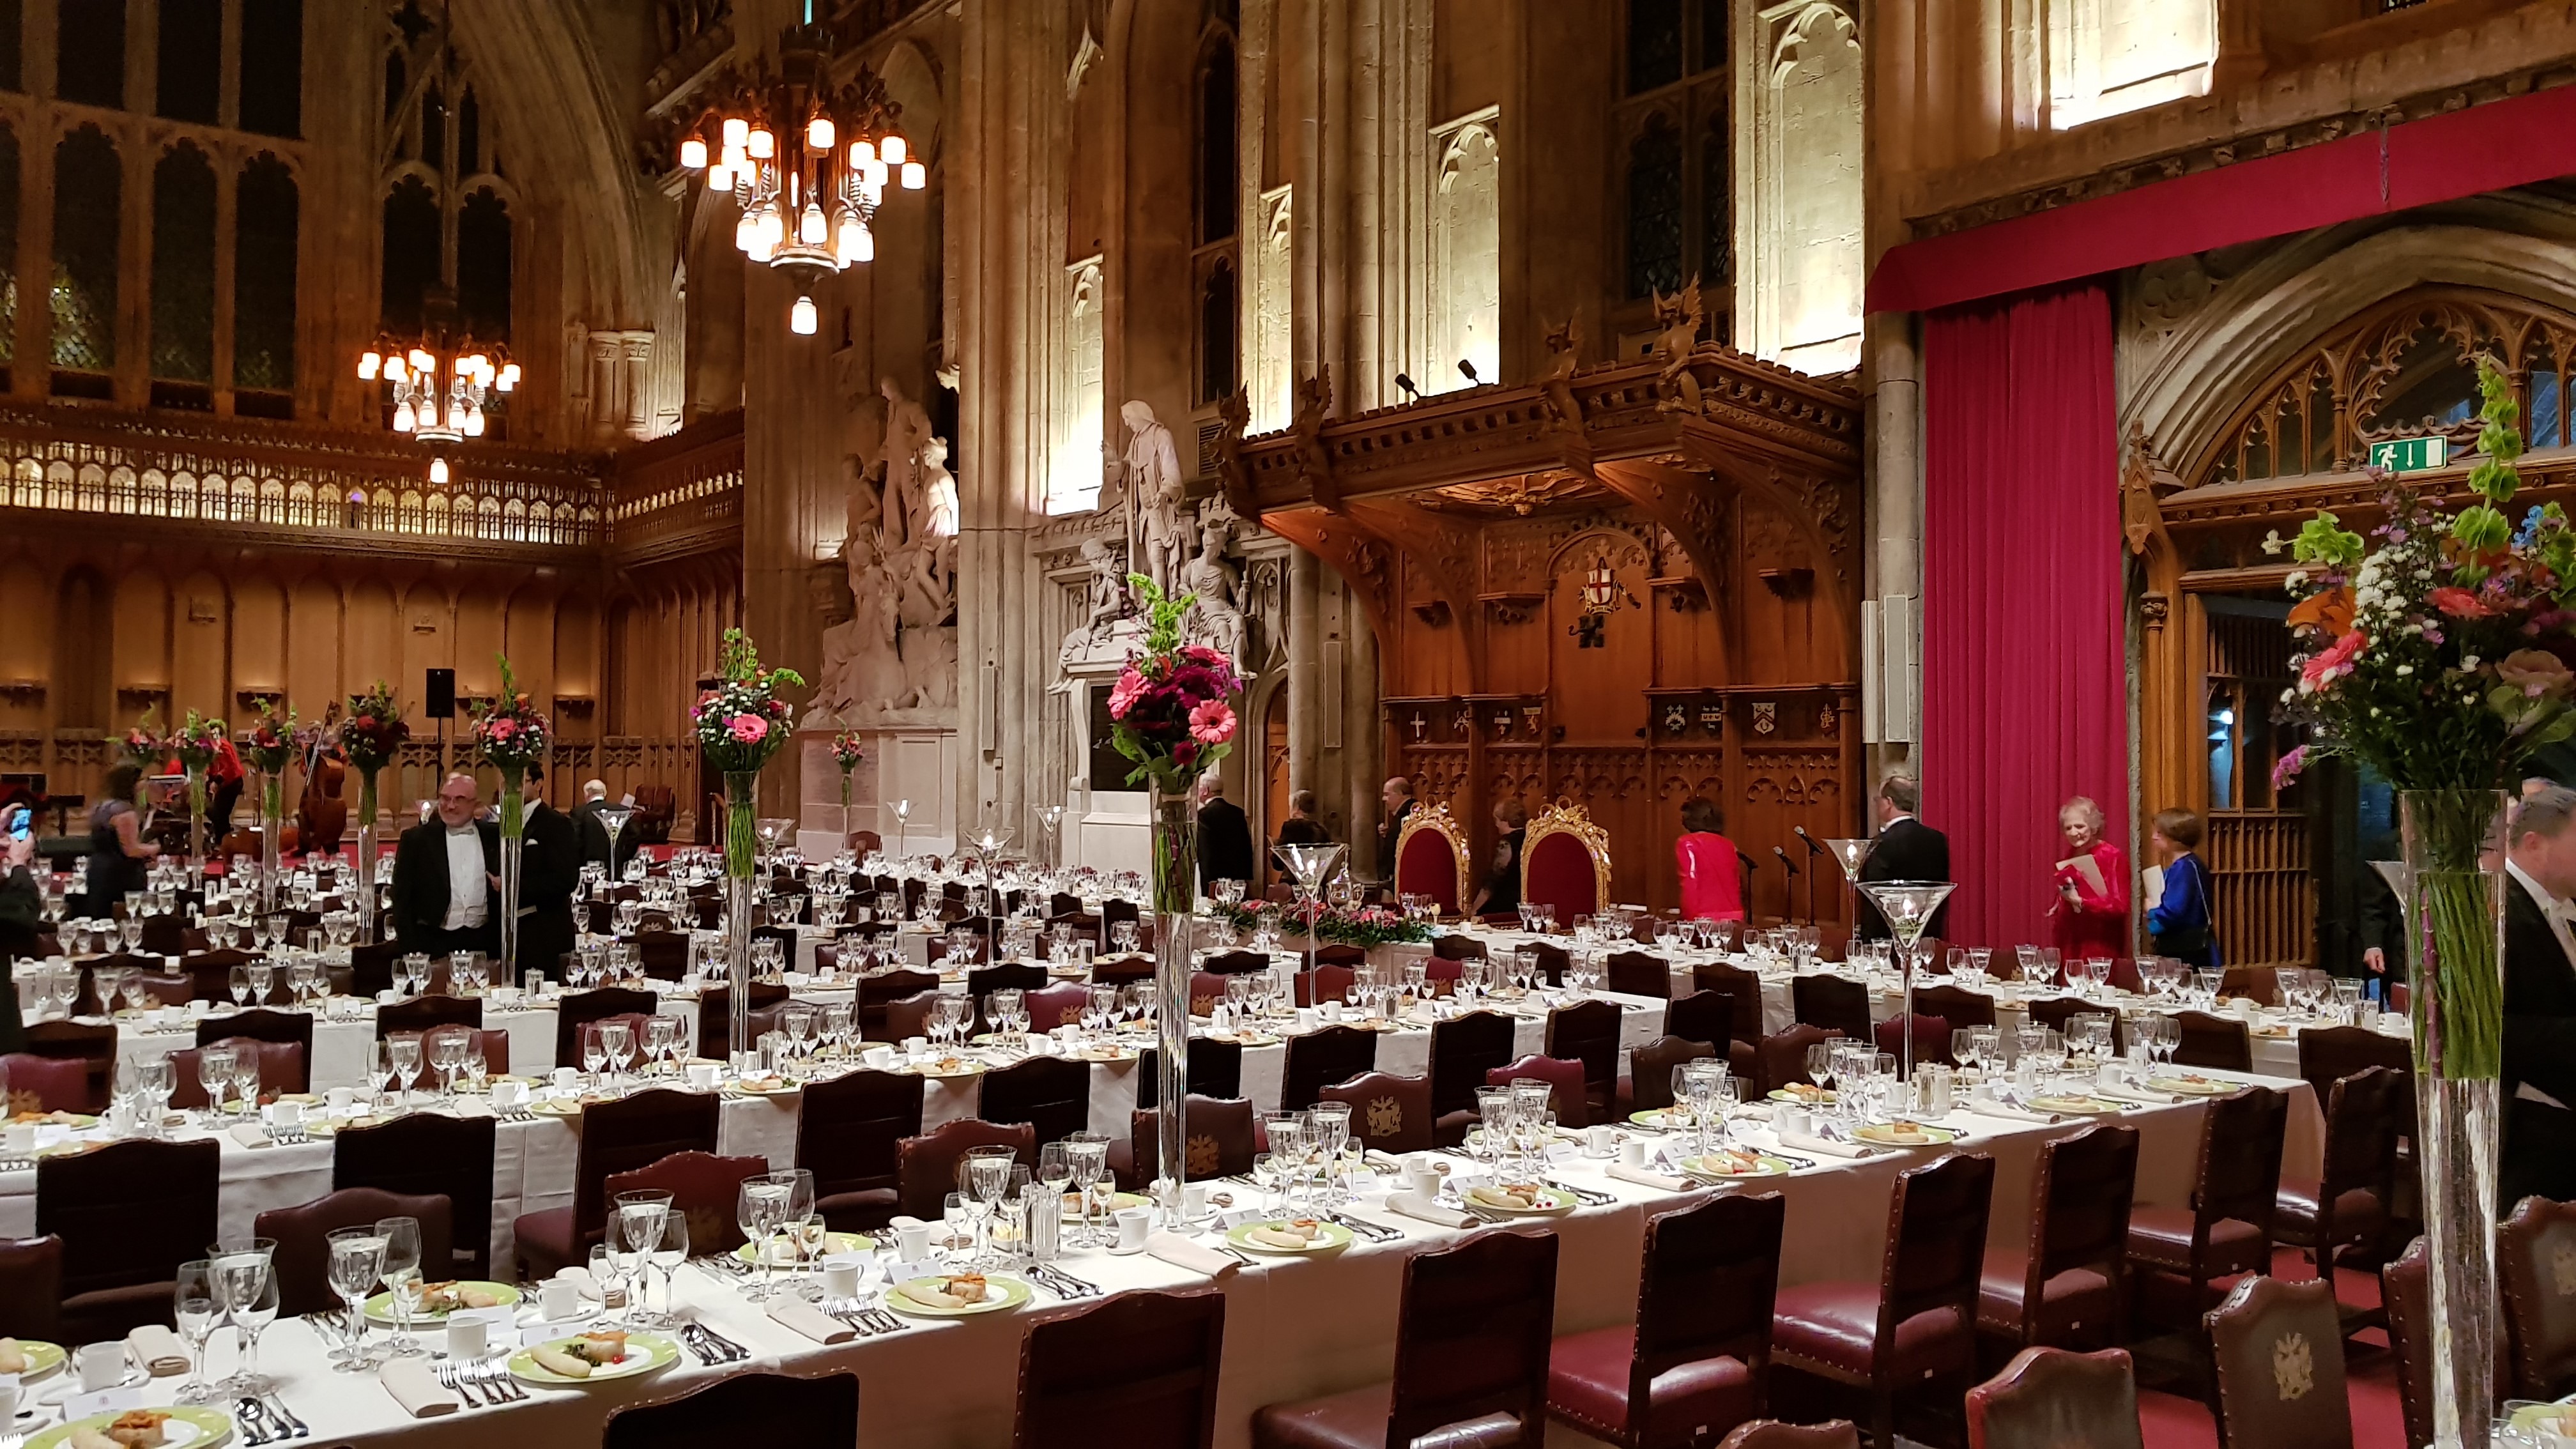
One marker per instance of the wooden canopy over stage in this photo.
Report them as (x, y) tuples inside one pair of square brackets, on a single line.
[(1625, 586)]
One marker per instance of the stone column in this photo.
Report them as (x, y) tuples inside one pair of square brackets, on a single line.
[(1895, 467), (636, 382), (605, 348), (1305, 670)]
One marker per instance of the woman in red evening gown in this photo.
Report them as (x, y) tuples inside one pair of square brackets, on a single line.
[(1712, 888), (2089, 920)]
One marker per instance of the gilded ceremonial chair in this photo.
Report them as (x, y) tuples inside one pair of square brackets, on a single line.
[(1565, 862), (1431, 858)]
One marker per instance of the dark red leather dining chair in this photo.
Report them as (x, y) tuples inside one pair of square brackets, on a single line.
[(1638, 973), (2048, 1398), (745, 1408), (1917, 1324), (2404, 1288), (577, 1009), (1317, 1059), (1588, 1032), (1565, 1083), (615, 1137), (2175, 1253), (1051, 1094), (94, 1047), (2061, 1283), (926, 1166), (1471, 1350), (1215, 1070), (1388, 1113), (847, 1129), (1135, 1371), (423, 1154), (1463, 1049), (428, 1013), (1833, 1002), (703, 1189), (302, 1261), (2277, 1351), (1649, 1083), (31, 1288), (1695, 1362), (281, 1069), (1782, 1057), (1217, 1140), (2349, 1204), (2217, 1042), (128, 1213), (715, 1016), (1931, 1038), (1772, 1434), (2532, 1248), (257, 1024), (45, 1084)]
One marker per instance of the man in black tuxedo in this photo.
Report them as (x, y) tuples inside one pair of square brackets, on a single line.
[(549, 870), (2539, 1002), (447, 883), (594, 831), (1225, 838), (1907, 849), (1397, 797)]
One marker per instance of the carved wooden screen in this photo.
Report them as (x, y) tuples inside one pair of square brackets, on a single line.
[(2263, 899)]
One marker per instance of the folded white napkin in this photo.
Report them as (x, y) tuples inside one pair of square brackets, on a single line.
[(473, 1107), (1415, 1205), (812, 1322), (1180, 1252), (1645, 1177), (580, 1279), (1756, 1111), (2145, 1096), (250, 1134), (1809, 1142), (158, 1349), (417, 1389), (2007, 1111)]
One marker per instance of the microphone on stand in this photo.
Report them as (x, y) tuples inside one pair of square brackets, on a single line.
[(1813, 850), (1791, 867)]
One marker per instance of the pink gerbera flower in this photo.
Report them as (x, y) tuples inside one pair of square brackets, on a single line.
[(749, 729), (1212, 723), (1122, 695)]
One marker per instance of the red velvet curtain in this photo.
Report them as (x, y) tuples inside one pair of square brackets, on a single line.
[(2025, 680)]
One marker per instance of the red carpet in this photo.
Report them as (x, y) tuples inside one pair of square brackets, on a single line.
[(2370, 1372)]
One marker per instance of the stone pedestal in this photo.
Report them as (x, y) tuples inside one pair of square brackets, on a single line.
[(904, 762)]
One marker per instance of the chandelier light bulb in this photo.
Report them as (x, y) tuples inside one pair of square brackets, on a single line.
[(762, 144), (801, 319), (736, 157), (736, 132), (819, 134), (915, 176), (422, 361), (456, 417), (474, 423), (402, 417), (773, 228), (811, 229), (693, 154), (438, 470), (873, 176), (893, 149), (862, 151), (746, 232), (846, 244), (864, 249), (368, 362), (719, 178), (509, 376)]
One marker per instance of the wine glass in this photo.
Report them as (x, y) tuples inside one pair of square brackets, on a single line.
[(662, 1038), (401, 1272), (237, 980), (197, 1309), (1823, 1060), (1963, 1047), (246, 1281), (357, 1261), (214, 1073), (406, 1060), (617, 1040), (760, 1205)]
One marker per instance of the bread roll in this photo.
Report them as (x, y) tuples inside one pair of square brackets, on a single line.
[(562, 1363), (13, 1358)]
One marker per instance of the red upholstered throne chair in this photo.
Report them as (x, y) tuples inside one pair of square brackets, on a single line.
[(1431, 858), (1565, 862)]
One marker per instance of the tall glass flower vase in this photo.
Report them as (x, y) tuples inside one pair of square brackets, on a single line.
[(272, 826), (197, 822), (514, 824), (741, 867), (1175, 883), (2454, 843), (367, 856)]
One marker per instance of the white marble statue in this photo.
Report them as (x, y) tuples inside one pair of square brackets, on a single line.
[(938, 490), (907, 435), (1216, 617), (1155, 494)]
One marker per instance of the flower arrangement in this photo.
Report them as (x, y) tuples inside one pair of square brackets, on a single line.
[(1169, 709), (739, 724), (195, 743), (373, 732), (139, 746), (269, 745), (510, 733), (847, 754), (1366, 927)]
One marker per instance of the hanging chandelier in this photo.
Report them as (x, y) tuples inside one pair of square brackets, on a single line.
[(440, 396), (807, 161)]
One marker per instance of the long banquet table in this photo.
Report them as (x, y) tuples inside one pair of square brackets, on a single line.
[(1293, 1328)]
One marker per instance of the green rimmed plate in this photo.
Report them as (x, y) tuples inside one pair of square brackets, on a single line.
[(2560, 1416), (2193, 1086), (1073, 1204), (1881, 1134), (832, 1243), (1765, 1165), (190, 1426), (1663, 1119), (2081, 1106), (1819, 1099), (42, 1358), (1553, 1202), (1001, 1294), (1329, 1238), (380, 1309), (645, 1352)]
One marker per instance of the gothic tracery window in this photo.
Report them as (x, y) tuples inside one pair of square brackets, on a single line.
[(447, 238), (89, 188), (1217, 203), (265, 226), (1675, 160), (183, 276)]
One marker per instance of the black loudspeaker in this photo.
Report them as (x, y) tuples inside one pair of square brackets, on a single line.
[(442, 694)]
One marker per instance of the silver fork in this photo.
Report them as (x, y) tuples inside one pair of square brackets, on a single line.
[(496, 1375), (452, 1375)]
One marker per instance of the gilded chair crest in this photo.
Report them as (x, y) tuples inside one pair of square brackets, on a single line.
[(1443, 877), (1549, 875)]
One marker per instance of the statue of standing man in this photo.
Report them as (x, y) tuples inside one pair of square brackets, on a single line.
[(1154, 491)]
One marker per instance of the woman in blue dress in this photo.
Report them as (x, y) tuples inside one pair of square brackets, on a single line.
[(2179, 922)]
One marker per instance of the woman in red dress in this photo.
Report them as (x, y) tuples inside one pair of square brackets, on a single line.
[(1712, 888), (2089, 917)]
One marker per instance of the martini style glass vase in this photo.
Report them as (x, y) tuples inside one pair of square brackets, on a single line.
[(1312, 865), (988, 840), (613, 818), (1908, 906), (1851, 855)]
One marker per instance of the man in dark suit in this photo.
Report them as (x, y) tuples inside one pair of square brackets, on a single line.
[(594, 831), (1397, 797), (549, 870), (447, 883), (1225, 837), (2539, 1002), (1907, 849)]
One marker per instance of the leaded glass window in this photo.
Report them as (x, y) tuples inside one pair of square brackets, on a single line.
[(89, 195), (272, 67), (483, 266), (183, 266), (191, 54), (264, 237), (1655, 210), (89, 52), (411, 259), (1654, 44)]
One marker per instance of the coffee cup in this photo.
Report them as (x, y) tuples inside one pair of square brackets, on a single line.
[(509, 1096), (914, 1046), (284, 1114), (1331, 1012), (1600, 1141), (878, 1057), (1632, 1152), (703, 1076), (467, 1337), (840, 1278), (8, 1402), (100, 1365), (19, 1140), (558, 1299), (342, 1100), (912, 1239), (1135, 1224), (1306, 1018), (1194, 1200), (567, 1079)]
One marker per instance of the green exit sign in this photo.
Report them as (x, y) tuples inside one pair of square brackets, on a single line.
[(2410, 455)]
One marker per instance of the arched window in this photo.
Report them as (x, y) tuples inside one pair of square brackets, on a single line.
[(1218, 311), (272, 67), (183, 275), (411, 256), (469, 134), (12, 58), (8, 243), (265, 223), (191, 50), (1654, 44), (89, 54), (1655, 209), (1218, 155), (433, 127), (483, 266), (1716, 201), (89, 196)]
